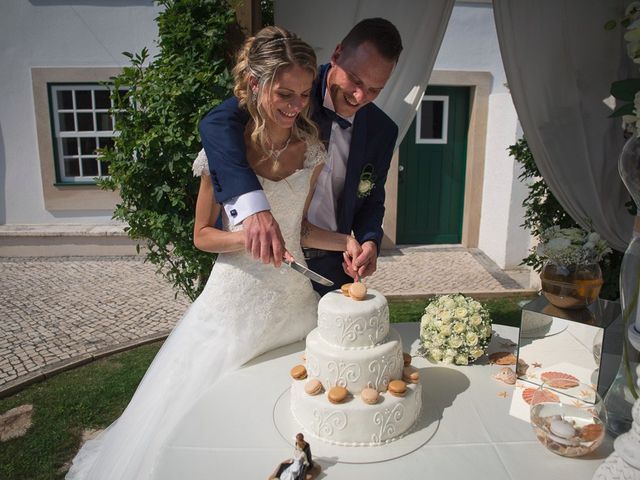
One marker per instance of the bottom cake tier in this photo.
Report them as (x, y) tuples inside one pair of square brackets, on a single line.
[(353, 422)]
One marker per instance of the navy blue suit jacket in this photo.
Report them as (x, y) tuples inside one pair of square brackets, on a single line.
[(373, 140)]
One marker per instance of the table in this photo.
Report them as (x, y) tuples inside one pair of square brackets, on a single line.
[(230, 432)]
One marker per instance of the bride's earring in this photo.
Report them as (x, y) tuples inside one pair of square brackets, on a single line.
[(254, 95)]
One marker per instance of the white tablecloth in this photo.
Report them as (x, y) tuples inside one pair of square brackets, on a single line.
[(230, 433)]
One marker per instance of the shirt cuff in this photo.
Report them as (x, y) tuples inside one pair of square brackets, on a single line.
[(240, 207)]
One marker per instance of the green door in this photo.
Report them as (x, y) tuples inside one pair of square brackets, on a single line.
[(432, 169)]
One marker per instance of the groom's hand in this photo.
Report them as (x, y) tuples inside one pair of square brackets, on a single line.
[(262, 238), (367, 262)]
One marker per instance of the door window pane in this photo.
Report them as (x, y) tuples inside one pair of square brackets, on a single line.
[(432, 119)]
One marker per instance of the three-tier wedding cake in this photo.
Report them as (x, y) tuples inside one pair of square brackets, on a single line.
[(354, 347)]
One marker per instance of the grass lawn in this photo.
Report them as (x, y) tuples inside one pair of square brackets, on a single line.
[(94, 395)]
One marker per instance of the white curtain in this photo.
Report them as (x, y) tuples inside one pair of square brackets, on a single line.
[(560, 62), (421, 24)]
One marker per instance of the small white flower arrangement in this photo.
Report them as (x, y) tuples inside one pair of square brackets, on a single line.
[(455, 329), (367, 181), (571, 246)]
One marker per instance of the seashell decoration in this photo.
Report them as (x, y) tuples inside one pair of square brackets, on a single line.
[(543, 396), (522, 367), (502, 358), (506, 375), (559, 379)]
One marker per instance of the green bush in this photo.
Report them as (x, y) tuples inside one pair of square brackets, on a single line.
[(542, 210), (158, 107)]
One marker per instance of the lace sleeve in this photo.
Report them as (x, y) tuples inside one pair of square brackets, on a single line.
[(200, 164), (315, 154)]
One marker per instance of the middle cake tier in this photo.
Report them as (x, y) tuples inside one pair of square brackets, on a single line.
[(355, 370)]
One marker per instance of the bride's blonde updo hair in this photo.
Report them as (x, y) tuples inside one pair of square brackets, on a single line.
[(261, 58)]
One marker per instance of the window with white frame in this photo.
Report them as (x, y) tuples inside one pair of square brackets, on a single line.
[(432, 119), (81, 125)]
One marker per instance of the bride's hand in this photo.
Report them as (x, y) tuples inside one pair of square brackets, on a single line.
[(287, 257)]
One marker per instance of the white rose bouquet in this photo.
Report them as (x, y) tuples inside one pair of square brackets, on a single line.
[(571, 246), (455, 329)]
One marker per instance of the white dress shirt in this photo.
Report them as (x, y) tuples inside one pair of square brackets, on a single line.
[(324, 204)]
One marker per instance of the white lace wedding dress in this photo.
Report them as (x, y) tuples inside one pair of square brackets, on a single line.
[(245, 309)]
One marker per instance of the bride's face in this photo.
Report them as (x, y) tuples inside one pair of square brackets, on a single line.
[(288, 96)]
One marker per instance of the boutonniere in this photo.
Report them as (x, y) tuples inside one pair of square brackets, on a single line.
[(367, 181)]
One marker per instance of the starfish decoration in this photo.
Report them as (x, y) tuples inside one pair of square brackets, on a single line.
[(536, 365), (503, 394)]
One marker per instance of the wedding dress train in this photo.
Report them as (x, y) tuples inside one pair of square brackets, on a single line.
[(246, 309)]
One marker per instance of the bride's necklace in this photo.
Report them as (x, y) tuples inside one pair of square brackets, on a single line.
[(274, 153)]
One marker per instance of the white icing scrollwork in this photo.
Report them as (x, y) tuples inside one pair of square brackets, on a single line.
[(387, 421), (378, 323), (383, 369), (418, 405), (350, 329), (342, 373), (325, 424)]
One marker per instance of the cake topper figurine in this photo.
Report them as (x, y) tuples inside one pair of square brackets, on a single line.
[(301, 466)]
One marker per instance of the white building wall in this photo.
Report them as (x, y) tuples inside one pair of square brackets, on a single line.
[(471, 44), (42, 33)]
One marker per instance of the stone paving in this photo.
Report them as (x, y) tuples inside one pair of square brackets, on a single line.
[(64, 311), (429, 270), (57, 313)]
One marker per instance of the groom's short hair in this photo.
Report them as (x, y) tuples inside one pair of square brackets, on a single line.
[(381, 33)]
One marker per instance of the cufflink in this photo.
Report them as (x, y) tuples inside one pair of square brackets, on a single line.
[(233, 213)]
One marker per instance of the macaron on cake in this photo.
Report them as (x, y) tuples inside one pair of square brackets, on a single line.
[(358, 291), (369, 396), (397, 388), (313, 387), (299, 372), (410, 374), (337, 394)]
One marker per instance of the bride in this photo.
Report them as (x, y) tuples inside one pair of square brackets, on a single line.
[(246, 308)]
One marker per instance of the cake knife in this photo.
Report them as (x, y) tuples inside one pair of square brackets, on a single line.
[(310, 274)]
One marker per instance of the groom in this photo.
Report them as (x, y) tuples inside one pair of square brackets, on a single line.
[(360, 140)]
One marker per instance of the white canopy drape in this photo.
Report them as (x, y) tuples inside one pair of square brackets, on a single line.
[(421, 24), (560, 62)]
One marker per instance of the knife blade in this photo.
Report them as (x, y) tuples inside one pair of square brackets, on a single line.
[(310, 274)]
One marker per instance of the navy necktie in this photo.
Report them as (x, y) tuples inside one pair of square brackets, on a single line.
[(343, 122)]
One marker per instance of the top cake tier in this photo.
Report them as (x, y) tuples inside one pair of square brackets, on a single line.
[(349, 323)]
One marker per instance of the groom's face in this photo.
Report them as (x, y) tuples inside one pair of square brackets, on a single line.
[(357, 77)]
